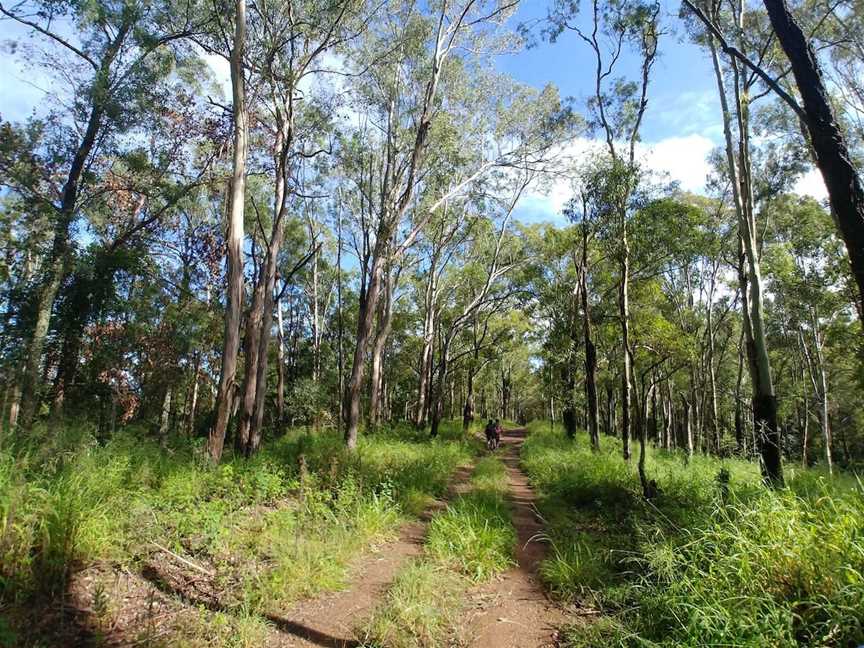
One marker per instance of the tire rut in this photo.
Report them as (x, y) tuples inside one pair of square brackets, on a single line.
[(514, 610), (330, 620)]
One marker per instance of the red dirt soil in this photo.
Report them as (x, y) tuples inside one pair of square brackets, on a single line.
[(514, 611)]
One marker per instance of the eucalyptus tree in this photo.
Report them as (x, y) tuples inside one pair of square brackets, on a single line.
[(235, 212), (416, 98), (578, 212), (618, 115), (739, 168), (111, 65)]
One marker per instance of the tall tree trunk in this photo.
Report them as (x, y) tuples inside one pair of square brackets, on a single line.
[(260, 318), (193, 399), (438, 388), (739, 415), (340, 350), (429, 325), (165, 417), (280, 368), (686, 423), (823, 392), (826, 137), (233, 240), (468, 410), (764, 400), (365, 321), (385, 322), (590, 349), (624, 315)]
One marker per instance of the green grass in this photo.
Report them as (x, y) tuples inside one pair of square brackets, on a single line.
[(421, 609), (702, 564), (474, 533), (283, 525)]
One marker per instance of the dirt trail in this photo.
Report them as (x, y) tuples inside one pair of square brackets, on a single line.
[(330, 620), (513, 611)]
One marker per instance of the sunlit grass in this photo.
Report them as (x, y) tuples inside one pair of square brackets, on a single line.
[(281, 526), (704, 563)]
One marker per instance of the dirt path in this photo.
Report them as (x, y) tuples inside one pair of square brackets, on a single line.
[(330, 620), (513, 611)]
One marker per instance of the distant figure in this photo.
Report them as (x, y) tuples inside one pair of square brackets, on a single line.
[(497, 433), (493, 438)]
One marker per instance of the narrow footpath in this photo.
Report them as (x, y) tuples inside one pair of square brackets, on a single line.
[(330, 620), (514, 611)]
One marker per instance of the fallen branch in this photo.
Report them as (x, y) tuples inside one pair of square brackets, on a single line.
[(183, 560)]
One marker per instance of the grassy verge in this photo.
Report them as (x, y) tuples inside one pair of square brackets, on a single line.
[(284, 525), (716, 559), (469, 542)]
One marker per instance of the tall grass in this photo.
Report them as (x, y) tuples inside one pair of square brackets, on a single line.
[(715, 559), (474, 533), (280, 526)]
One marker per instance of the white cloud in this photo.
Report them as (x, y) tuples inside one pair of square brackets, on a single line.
[(680, 159), (685, 159)]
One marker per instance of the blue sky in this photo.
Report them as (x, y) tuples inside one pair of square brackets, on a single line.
[(682, 98)]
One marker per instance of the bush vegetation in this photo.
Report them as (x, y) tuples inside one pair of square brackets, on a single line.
[(282, 525), (714, 559)]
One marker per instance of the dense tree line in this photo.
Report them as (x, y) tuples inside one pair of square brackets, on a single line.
[(330, 237)]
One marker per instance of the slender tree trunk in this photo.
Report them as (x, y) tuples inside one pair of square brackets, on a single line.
[(468, 410), (826, 423), (280, 368), (234, 241), (429, 324), (365, 321), (340, 351), (764, 400), (739, 415), (385, 322), (437, 412), (260, 318), (193, 400), (624, 314), (688, 430), (165, 417), (590, 349)]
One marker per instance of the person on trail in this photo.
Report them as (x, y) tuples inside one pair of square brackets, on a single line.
[(491, 436), (498, 431)]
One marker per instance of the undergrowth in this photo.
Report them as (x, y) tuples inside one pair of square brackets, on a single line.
[(474, 533), (714, 559), (282, 525)]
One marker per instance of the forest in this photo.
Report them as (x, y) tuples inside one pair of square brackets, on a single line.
[(381, 324)]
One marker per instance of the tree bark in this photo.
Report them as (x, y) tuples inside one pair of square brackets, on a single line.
[(233, 240), (590, 349), (385, 322)]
